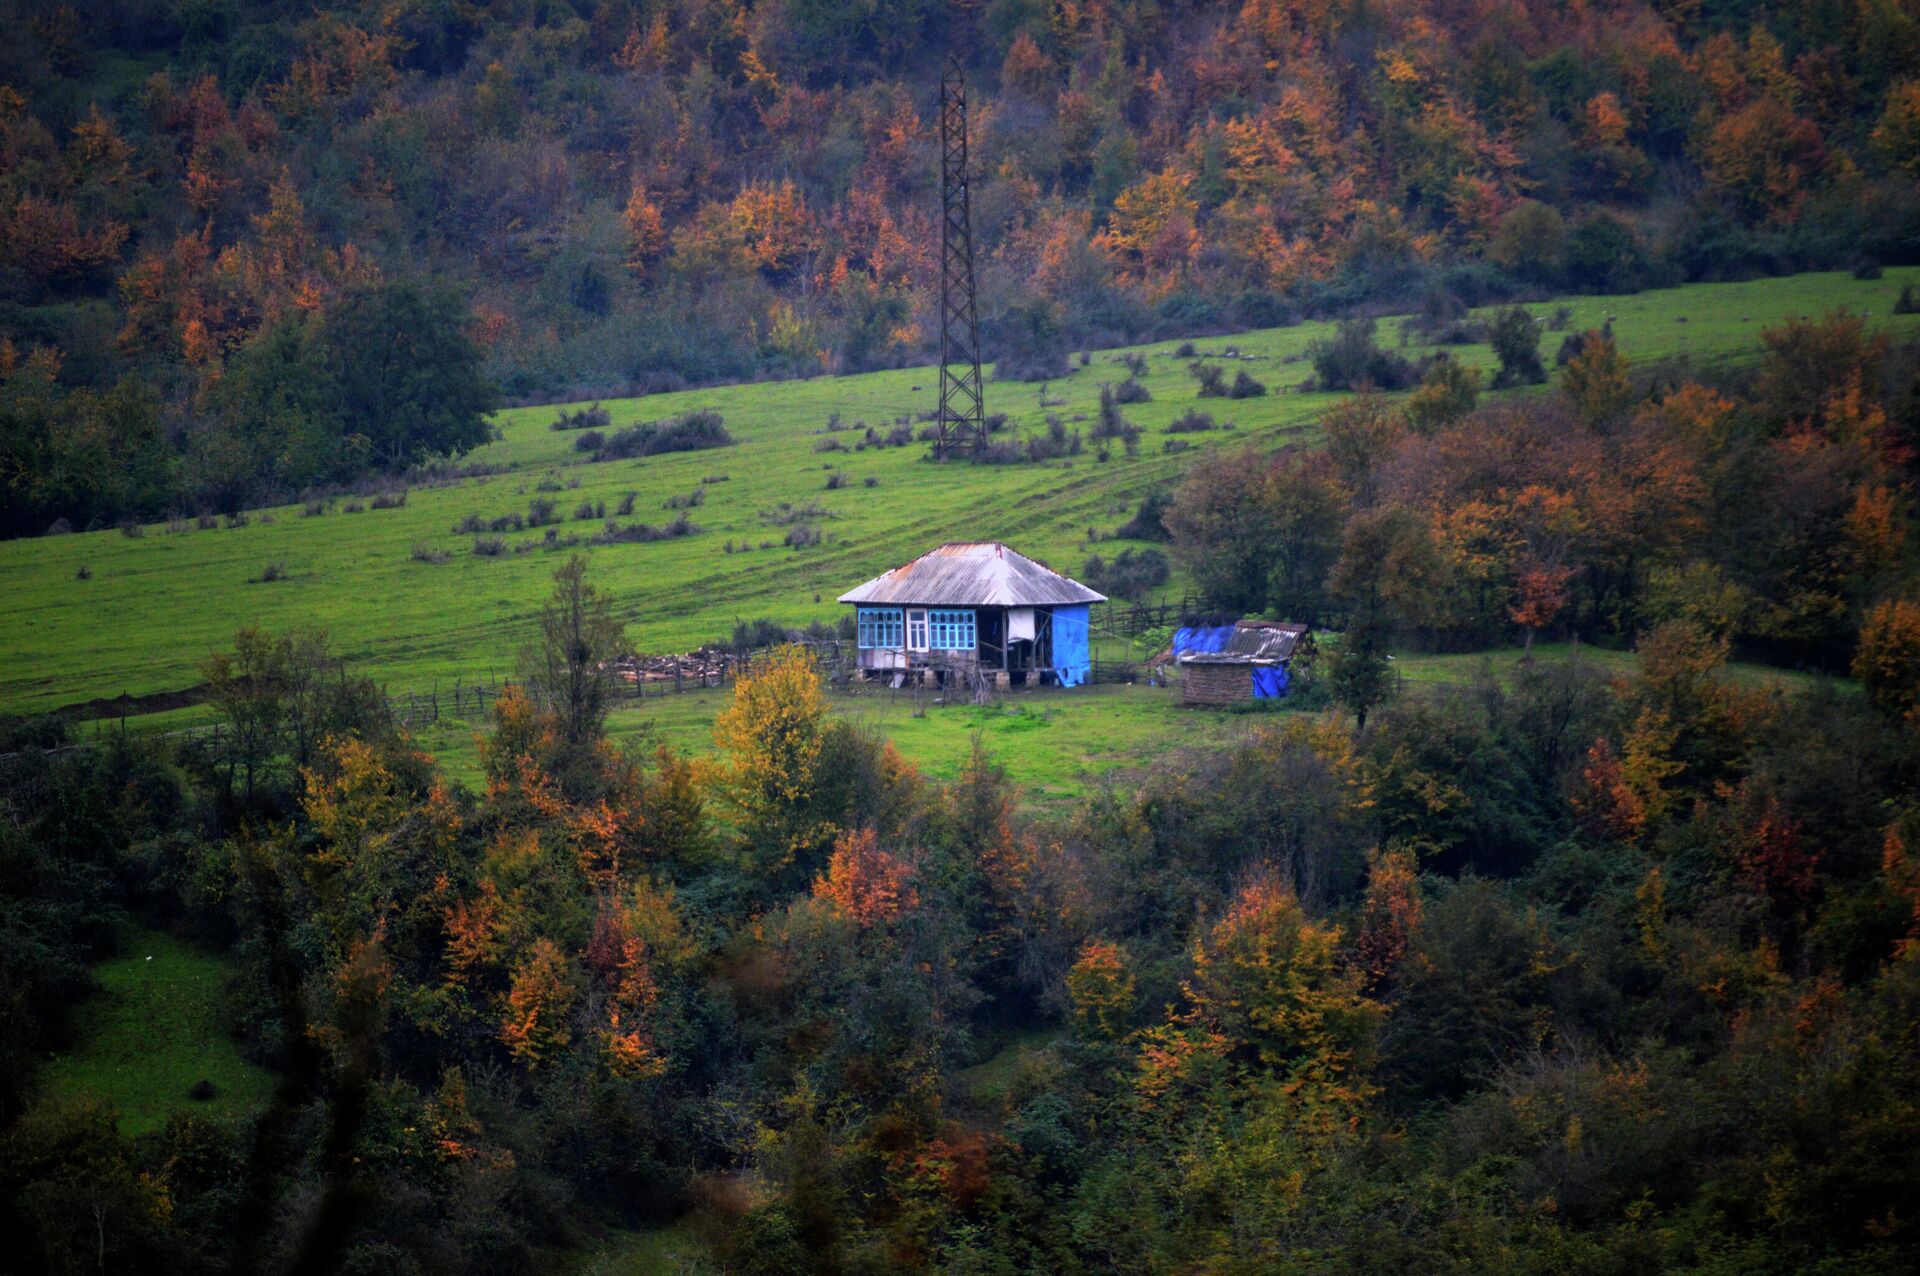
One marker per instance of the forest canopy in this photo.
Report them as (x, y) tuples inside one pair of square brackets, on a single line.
[(627, 196)]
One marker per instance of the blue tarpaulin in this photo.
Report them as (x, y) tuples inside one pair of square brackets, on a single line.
[(1202, 638), (1269, 682), (1071, 661)]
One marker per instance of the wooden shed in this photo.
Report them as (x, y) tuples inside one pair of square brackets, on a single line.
[(1232, 664)]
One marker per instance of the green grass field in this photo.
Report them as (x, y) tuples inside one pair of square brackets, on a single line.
[(157, 604), (158, 1026)]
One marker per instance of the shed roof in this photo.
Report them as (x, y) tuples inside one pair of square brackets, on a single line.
[(1250, 642), (973, 574)]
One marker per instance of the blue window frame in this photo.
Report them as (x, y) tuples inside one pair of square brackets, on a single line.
[(881, 627), (952, 630)]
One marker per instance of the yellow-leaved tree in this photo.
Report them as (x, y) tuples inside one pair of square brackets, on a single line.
[(771, 737)]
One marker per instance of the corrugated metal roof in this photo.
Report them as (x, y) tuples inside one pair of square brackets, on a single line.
[(1253, 642), (973, 574)]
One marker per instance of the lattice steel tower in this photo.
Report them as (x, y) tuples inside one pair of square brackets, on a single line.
[(962, 423)]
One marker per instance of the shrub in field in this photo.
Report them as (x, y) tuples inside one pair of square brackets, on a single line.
[(625, 507), (237, 519), (692, 500), (690, 433), (425, 553), (1447, 392), (829, 445), (785, 514), (1171, 446), (60, 527), (1147, 523), (1136, 364), (1351, 359), (1131, 391), (1245, 387), (1130, 574), (541, 510), (176, 525), (836, 481), (586, 511), (390, 500), (205, 522), (1515, 339), (489, 546), (470, 524), (1192, 421), (313, 509), (870, 481), (591, 441), (802, 536), (132, 529), (1908, 302), (271, 572), (84, 572), (585, 418), (353, 505), (1212, 379), (643, 533)]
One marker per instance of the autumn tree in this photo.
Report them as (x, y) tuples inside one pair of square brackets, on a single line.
[(571, 668), (771, 736), (1887, 662)]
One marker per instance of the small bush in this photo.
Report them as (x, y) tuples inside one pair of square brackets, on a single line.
[(690, 433), (591, 441), (1148, 522), (1867, 268), (692, 500), (870, 481), (591, 415), (625, 507), (425, 553), (1212, 379), (1171, 446), (1192, 421), (131, 529), (1184, 350), (785, 514), (802, 536), (83, 573), (1136, 364), (1908, 302), (271, 572), (1245, 387), (1515, 339), (391, 500), (205, 522), (489, 546), (1131, 574), (829, 445), (176, 525), (237, 519), (541, 511), (1350, 360), (1559, 320), (61, 527), (313, 509), (836, 481), (1131, 391), (353, 505)]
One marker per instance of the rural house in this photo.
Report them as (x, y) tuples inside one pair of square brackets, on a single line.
[(974, 611), (1228, 664)]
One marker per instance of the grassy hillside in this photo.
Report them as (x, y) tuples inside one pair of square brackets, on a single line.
[(154, 605)]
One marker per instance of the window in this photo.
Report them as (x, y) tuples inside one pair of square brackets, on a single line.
[(879, 627), (952, 630), (917, 630)]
